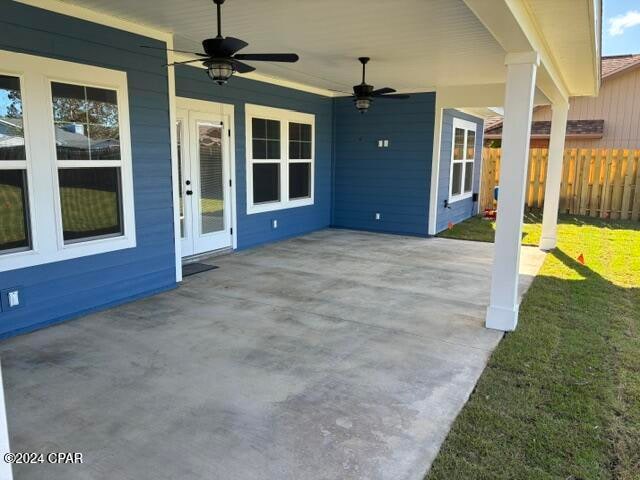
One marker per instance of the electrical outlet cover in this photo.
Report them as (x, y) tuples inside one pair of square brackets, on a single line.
[(4, 297)]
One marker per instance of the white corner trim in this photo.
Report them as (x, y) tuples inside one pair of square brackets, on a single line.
[(90, 15), (177, 240), (435, 168), (6, 472)]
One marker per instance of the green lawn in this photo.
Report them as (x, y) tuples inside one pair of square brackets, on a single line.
[(11, 220), (85, 210), (560, 397), (477, 228)]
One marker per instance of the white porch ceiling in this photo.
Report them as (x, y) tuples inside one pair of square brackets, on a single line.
[(414, 44)]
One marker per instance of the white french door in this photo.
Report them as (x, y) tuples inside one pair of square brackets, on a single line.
[(204, 181)]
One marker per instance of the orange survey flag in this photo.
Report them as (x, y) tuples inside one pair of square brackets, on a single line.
[(581, 258)]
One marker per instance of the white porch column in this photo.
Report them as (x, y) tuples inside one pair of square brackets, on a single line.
[(554, 175), (502, 313), (6, 472)]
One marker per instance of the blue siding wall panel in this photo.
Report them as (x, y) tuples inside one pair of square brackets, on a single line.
[(61, 290), (393, 181), (462, 209), (256, 229)]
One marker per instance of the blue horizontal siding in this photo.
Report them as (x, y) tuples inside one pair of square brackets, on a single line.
[(462, 209), (256, 229), (61, 290), (393, 181)]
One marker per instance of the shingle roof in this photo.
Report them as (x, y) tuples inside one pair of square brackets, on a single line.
[(541, 128), (616, 63)]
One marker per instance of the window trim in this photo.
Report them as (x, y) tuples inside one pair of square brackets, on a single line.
[(284, 117), (467, 126), (47, 243)]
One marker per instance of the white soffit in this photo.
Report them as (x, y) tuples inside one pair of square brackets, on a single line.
[(414, 44), (568, 28)]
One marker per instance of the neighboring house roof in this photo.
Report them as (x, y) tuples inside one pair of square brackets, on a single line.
[(542, 129), (491, 122), (11, 135), (611, 65), (617, 63)]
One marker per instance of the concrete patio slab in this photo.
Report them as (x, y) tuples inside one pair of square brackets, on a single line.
[(337, 355)]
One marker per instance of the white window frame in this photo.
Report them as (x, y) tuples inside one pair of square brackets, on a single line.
[(466, 126), (47, 243), (284, 117)]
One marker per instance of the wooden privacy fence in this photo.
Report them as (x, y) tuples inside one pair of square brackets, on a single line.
[(595, 182)]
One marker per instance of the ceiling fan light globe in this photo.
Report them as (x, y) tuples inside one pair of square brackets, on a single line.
[(363, 104), (220, 71)]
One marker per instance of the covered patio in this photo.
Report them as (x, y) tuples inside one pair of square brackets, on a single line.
[(338, 354)]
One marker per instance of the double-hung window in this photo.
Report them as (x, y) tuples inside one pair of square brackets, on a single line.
[(462, 159), (88, 161), (280, 158), (15, 233), (66, 188)]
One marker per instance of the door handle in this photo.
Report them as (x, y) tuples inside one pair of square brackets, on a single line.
[(189, 192)]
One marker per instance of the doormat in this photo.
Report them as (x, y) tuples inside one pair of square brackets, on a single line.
[(193, 268)]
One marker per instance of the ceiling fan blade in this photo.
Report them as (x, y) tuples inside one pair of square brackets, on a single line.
[(383, 91), (231, 45), (223, 47), (182, 63), (242, 67), (177, 51), (268, 57), (400, 96)]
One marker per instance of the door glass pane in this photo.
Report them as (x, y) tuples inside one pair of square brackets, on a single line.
[(211, 178), (456, 181), (11, 129), (14, 217), (91, 203), (180, 180)]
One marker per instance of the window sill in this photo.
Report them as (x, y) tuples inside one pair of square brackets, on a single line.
[(31, 258), (458, 198), (275, 206)]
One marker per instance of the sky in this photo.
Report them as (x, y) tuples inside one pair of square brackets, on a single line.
[(621, 27)]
